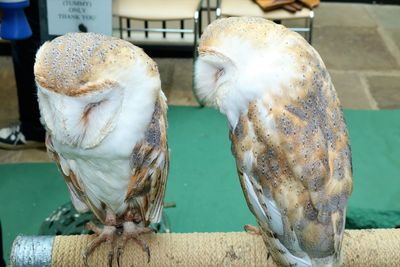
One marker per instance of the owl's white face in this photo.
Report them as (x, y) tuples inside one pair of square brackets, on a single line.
[(214, 74), (233, 69), (83, 120)]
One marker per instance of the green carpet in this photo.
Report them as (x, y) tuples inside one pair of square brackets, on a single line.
[(203, 181)]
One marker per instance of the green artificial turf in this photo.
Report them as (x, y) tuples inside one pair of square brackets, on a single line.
[(203, 180)]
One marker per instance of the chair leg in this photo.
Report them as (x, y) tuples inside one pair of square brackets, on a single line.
[(120, 27), (196, 31), (182, 27), (218, 9), (311, 30), (310, 27), (200, 20), (128, 25), (208, 12), (146, 26), (164, 26)]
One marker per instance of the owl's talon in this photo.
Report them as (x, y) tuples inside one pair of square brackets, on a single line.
[(142, 243), (132, 231), (110, 257), (85, 260), (145, 248), (107, 234), (148, 253), (119, 253), (92, 227)]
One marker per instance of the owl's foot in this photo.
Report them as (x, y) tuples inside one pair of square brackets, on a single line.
[(133, 231), (251, 229), (107, 234)]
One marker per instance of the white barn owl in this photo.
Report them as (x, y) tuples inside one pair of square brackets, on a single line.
[(288, 135), (101, 102)]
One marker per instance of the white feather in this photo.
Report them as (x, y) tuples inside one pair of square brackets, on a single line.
[(275, 223)]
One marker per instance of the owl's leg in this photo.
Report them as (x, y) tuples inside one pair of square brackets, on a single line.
[(131, 230), (107, 234)]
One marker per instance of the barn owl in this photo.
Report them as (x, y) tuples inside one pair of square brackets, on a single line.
[(288, 135), (101, 102)]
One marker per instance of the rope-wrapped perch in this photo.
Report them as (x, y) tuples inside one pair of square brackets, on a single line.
[(378, 247)]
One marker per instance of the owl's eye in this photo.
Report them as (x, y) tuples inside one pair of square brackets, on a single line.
[(219, 73), (89, 107), (92, 105)]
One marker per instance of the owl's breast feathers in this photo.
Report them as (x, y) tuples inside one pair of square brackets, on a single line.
[(294, 163), (149, 164)]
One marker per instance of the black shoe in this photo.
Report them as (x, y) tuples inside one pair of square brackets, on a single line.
[(13, 138)]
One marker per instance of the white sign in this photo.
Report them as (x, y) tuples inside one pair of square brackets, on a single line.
[(79, 16)]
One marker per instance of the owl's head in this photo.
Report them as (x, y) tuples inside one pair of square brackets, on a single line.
[(240, 58), (86, 80)]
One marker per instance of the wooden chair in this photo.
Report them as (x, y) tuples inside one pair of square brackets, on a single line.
[(158, 22)]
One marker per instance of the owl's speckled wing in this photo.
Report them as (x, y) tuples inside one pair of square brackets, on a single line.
[(149, 164), (294, 164)]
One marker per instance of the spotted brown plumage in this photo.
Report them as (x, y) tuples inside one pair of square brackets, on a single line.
[(149, 164), (288, 135)]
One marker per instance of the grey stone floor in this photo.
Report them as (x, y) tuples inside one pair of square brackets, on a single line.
[(359, 43)]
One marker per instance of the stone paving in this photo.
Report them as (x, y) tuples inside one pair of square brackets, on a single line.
[(360, 46), (359, 43)]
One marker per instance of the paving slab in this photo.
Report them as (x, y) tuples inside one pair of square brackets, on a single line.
[(353, 48), (166, 69), (385, 90), (25, 155), (350, 91), (176, 80), (182, 98), (182, 79), (388, 16), (343, 15), (394, 34)]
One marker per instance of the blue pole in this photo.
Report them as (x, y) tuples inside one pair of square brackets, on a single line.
[(14, 25)]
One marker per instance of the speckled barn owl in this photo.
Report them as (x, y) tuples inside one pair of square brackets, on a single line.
[(288, 134), (101, 102)]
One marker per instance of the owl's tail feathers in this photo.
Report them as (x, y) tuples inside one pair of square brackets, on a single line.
[(330, 261)]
